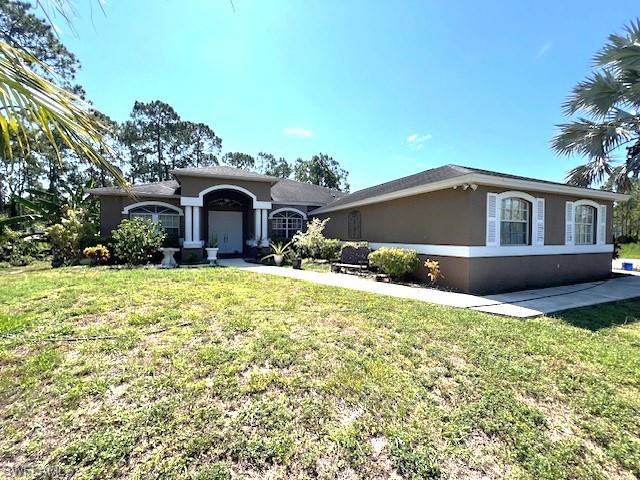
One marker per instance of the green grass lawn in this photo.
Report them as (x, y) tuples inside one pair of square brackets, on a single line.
[(630, 250), (220, 373)]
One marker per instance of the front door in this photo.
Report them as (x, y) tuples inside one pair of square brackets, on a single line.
[(227, 226)]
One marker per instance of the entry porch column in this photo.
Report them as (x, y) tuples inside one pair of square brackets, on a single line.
[(265, 230), (257, 229), (192, 218), (196, 225)]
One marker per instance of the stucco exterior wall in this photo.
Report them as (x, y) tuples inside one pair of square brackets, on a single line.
[(439, 218), (554, 221), (446, 217), (501, 274), (192, 186), (111, 207)]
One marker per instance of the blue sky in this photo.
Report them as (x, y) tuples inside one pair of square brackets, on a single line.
[(386, 88)]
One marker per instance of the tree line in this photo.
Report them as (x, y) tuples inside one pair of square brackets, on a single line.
[(154, 139)]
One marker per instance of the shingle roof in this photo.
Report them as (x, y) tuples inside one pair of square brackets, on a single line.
[(223, 171), (445, 172), (434, 175), (287, 190), (160, 189), (283, 190)]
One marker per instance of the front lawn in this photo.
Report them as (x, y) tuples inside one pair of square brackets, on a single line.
[(630, 250), (220, 373)]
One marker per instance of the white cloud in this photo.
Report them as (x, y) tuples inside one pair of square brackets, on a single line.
[(542, 51), (297, 132), (416, 140)]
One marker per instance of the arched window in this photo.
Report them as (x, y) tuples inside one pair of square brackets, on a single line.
[(585, 225), (286, 223), (514, 221), (165, 217)]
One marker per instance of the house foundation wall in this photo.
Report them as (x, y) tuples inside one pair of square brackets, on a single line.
[(485, 275)]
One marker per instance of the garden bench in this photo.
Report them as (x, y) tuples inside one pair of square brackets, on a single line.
[(352, 259)]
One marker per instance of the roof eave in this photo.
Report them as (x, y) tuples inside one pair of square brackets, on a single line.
[(490, 180), (481, 179)]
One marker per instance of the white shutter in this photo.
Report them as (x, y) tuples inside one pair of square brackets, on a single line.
[(568, 224), (601, 233), (538, 231), (492, 219)]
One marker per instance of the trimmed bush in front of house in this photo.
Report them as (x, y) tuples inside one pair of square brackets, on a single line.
[(395, 262), (137, 241), (330, 249)]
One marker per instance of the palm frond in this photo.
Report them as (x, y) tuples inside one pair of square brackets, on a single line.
[(591, 139), (620, 178), (6, 222), (29, 102), (594, 171), (622, 50), (596, 95)]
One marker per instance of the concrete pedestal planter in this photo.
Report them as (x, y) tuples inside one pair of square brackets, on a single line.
[(278, 259), (212, 255), (168, 261)]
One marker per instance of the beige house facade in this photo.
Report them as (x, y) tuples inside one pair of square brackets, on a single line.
[(491, 232)]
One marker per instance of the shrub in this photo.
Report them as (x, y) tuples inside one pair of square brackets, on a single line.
[(354, 245), (99, 254), (627, 239), (136, 241), (395, 262), (16, 250), (433, 271), (331, 248), (68, 236), (310, 242)]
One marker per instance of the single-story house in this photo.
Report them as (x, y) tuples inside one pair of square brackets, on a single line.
[(490, 231)]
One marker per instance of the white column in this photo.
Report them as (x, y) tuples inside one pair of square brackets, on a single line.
[(196, 224), (188, 220), (265, 231), (256, 234)]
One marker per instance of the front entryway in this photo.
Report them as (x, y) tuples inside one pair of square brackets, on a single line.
[(227, 226)]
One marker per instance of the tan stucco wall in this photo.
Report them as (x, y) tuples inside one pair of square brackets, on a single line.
[(440, 218), (499, 274), (192, 186), (504, 274), (554, 221), (111, 207), (446, 217)]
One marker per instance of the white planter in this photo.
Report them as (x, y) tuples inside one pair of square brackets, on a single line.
[(168, 261), (278, 259), (251, 243), (212, 255)]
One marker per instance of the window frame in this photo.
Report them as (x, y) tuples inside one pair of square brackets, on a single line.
[(286, 215), (153, 211), (594, 224), (527, 222)]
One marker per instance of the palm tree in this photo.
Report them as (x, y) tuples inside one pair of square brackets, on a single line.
[(31, 104), (607, 132)]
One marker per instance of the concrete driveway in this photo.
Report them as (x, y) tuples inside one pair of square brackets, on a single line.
[(524, 304)]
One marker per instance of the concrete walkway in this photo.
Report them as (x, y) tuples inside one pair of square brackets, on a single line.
[(518, 304)]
